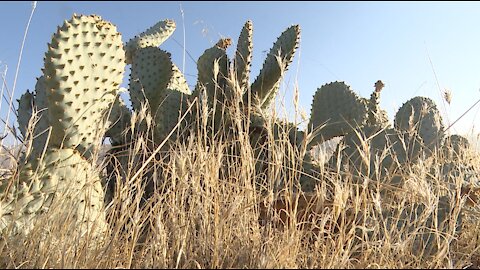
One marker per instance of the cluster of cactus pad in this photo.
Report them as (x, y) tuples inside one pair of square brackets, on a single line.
[(76, 104)]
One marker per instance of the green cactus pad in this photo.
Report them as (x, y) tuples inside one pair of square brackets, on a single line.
[(43, 125), (64, 178), (153, 37), (29, 105), (152, 73), (212, 77), (338, 107), (84, 67), (420, 116), (267, 83), (172, 108), (156, 79), (243, 55), (455, 145), (25, 107)]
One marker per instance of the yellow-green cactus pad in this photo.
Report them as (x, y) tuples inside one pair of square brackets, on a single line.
[(63, 180), (84, 67), (212, 68), (243, 55), (267, 83), (337, 107), (153, 37), (156, 79)]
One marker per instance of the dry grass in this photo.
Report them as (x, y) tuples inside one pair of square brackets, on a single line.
[(208, 212)]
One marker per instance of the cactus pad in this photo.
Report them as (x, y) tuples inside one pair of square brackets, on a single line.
[(212, 68), (156, 79), (119, 120), (83, 69), (243, 55), (420, 116), (152, 37), (267, 83), (64, 180), (25, 107), (338, 107)]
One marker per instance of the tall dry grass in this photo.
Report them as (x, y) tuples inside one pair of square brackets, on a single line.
[(209, 208)]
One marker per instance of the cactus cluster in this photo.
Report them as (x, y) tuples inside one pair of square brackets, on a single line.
[(417, 130), (76, 104), (157, 83)]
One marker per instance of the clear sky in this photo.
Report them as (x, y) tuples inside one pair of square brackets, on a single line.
[(415, 48)]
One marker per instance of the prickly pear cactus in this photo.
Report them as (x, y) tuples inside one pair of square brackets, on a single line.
[(152, 37), (374, 147), (157, 81), (457, 162), (337, 110), (25, 107), (120, 121), (31, 104), (371, 149), (454, 146), (267, 83), (63, 180), (84, 67), (420, 116), (243, 56), (426, 240), (213, 66), (376, 115)]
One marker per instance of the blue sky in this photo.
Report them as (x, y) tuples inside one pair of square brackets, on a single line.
[(415, 48)]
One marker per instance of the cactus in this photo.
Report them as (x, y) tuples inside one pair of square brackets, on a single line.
[(364, 124), (267, 83), (84, 66), (213, 66), (152, 37), (243, 56), (420, 114), (30, 104), (63, 177), (83, 70), (156, 80), (25, 108), (425, 242), (337, 107), (456, 162), (376, 115)]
